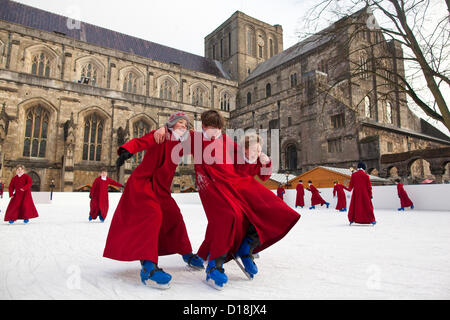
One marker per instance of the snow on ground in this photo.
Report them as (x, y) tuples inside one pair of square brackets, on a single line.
[(59, 256)]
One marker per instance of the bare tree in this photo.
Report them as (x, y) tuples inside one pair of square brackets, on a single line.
[(417, 25)]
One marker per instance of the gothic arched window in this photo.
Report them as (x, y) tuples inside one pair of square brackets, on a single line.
[(89, 74), (40, 65), (140, 128), (130, 83), (92, 140), (36, 132), (268, 90), (166, 90), (198, 97), (225, 102), (249, 98)]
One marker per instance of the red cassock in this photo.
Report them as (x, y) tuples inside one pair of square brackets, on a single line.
[(339, 191), (99, 196), (361, 208), (21, 205), (315, 196), (280, 193), (232, 200), (300, 199), (147, 222), (405, 201)]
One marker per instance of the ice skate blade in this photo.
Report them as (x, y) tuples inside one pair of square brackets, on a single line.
[(152, 284), (210, 282), (194, 268)]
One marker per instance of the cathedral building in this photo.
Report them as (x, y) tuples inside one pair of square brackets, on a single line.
[(72, 92)]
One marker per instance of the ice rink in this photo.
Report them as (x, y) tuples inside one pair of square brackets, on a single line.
[(59, 256)]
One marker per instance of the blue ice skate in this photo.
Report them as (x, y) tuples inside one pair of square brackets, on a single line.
[(312, 207), (327, 204), (215, 275), (26, 221), (193, 261), (158, 278), (11, 221), (101, 218), (373, 223), (247, 257), (401, 209), (412, 207)]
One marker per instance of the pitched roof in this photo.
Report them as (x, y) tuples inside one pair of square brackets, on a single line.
[(281, 177), (46, 21), (347, 172)]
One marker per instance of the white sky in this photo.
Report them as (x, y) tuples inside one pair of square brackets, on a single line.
[(178, 24), (183, 24)]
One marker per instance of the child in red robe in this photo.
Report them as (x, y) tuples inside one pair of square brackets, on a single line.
[(147, 222), (300, 199), (21, 205), (99, 196), (342, 201), (405, 201), (361, 208), (315, 197), (280, 192), (236, 205)]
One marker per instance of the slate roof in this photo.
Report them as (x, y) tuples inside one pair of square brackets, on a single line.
[(46, 21)]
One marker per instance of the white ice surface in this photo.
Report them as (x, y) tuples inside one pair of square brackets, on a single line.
[(59, 256)]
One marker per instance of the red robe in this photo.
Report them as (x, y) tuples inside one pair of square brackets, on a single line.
[(315, 196), (361, 208), (405, 201), (300, 199), (147, 222), (21, 206), (232, 201), (99, 196), (281, 192), (342, 201)]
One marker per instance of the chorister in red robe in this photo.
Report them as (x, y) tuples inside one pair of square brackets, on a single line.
[(281, 192), (233, 200), (315, 196), (338, 191), (361, 208), (21, 205), (405, 201), (99, 197), (147, 222), (300, 199)]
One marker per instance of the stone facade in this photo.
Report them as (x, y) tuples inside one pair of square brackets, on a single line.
[(69, 102)]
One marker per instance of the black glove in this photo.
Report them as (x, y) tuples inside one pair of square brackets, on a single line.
[(124, 156)]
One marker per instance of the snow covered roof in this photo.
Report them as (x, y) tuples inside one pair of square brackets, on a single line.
[(347, 172), (281, 177)]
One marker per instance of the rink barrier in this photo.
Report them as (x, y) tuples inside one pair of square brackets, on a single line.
[(432, 197)]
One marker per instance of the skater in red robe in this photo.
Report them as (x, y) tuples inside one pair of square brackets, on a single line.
[(99, 196), (405, 201), (147, 222), (300, 199), (242, 218), (21, 205), (315, 197), (280, 192), (361, 208), (338, 191)]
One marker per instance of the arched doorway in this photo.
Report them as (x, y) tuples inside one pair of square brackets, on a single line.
[(419, 170), (36, 186)]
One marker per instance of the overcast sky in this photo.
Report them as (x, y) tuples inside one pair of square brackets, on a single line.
[(179, 24)]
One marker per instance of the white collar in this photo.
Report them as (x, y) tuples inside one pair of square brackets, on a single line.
[(178, 137), (103, 178), (208, 138), (19, 175)]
